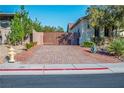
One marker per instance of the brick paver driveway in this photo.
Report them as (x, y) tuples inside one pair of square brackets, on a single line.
[(63, 54)]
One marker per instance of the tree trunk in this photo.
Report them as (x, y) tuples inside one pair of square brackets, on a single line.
[(22, 41), (112, 31), (116, 33)]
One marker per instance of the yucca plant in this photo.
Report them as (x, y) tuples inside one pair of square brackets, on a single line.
[(116, 47)]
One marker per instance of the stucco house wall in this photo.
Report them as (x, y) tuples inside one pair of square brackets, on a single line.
[(5, 19), (4, 33), (86, 32)]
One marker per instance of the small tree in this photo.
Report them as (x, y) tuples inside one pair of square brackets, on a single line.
[(59, 29), (21, 27), (17, 33), (52, 29), (49, 29), (37, 26)]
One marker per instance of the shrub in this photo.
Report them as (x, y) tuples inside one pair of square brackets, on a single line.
[(87, 44), (99, 40), (30, 45), (34, 43), (116, 47)]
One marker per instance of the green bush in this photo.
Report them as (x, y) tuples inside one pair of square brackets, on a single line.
[(30, 45), (87, 44), (34, 43), (116, 47)]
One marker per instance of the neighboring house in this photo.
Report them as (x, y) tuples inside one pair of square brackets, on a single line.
[(5, 19), (81, 31)]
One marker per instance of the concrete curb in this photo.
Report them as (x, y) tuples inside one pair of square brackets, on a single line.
[(53, 69)]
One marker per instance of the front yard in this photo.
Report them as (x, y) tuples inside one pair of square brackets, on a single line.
[(4, 49)]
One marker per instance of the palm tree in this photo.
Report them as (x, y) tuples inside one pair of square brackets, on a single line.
[(109, 18), (95, 16)]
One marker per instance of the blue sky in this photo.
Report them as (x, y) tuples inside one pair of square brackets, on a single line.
[(53, 15)]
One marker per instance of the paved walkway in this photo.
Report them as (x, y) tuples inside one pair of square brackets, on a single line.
[(64, 54)]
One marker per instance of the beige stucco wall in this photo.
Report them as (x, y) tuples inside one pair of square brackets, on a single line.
[(38, 37)]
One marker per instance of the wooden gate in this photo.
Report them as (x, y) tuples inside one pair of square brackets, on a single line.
[(55, 38)]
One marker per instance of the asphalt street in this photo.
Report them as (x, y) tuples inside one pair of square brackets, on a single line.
[(63, 81)]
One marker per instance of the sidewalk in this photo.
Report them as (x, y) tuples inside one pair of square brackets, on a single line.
[(56, 69)]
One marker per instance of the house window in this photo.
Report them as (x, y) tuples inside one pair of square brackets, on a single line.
[(4, 24)]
